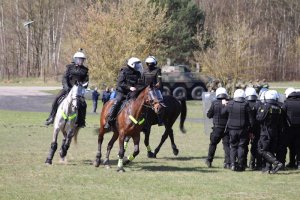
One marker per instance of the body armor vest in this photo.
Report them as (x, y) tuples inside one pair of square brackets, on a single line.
[(150, 76), (127, 78), (238, 116), (270, 119), (219, 119), (73, 74), (292, 106)]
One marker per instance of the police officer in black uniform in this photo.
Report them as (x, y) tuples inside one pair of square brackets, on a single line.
[(239, 121), (152, 77), (271, 118), (152, 74), (76, 72), (128, 79), (219, 121), (291, 107), (255, 158)]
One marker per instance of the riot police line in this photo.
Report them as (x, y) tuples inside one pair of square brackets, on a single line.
[(268, 122)]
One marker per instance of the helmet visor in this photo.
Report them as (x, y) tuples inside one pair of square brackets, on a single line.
[(138, 67), (79, 61)]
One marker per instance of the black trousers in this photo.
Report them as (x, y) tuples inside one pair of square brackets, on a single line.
[(256, 159), (267, 147), (294, 144), (215, 137), (239, 140)]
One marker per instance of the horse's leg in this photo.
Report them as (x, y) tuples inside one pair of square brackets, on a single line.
[(183, 116), (109, 147), (53, 146), (121, 152), (136, 151), (150, 154), (100, 141), (63, 142), (65, 147), (127, 138), (171, 135), (163, 139)]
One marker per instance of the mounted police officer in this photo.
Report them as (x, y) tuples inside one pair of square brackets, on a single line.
[(219, 121), (255, 158), (291, 107), (152, 77), (270, 117), (128, 80), (76, 72), (239, 121)]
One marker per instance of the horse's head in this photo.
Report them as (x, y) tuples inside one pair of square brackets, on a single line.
[(155, 99), (77, 93)]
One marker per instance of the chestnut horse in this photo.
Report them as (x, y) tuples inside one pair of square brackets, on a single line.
[(129, 123)]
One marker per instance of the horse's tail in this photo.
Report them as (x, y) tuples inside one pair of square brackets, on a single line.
[(75, 135), (183, 112)]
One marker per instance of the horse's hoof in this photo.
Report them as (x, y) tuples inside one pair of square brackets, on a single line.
[(106, 162), (97, 163), (150, 154), (48, 162), (107, 166), (121, 169), (63, 160), (126, 162), (183, 130), (175, 152)]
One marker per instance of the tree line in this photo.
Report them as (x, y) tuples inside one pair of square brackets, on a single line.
[(230, 39)]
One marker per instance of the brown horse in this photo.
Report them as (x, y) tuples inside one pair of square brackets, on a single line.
[(129, 123)]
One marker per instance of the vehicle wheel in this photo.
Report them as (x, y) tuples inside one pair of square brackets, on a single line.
[(166, 91), (197, 92), (179, 93)]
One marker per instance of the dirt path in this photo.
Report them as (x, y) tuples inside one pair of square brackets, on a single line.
[(33, 99)]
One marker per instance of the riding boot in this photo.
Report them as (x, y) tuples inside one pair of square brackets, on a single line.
[(51, 117), (112, 115)]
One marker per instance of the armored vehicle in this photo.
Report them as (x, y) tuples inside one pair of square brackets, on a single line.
[(180, 82)]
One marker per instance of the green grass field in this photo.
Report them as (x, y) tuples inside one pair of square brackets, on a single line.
[(24, 144)]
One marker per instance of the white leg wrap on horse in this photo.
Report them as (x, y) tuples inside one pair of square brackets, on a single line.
[(120, 163)]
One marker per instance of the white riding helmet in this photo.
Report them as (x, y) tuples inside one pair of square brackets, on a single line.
[(221, 93), (271, 95), (79, 55), (239, 93), (135, 64), (151, 60), (262, 96), (250, 93), (289, 91), (262, 90), (79, 58)]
